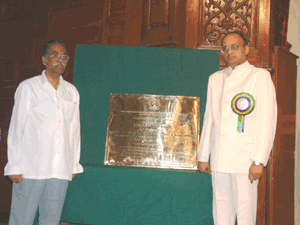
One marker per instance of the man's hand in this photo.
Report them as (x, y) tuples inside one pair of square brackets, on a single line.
[(255, 172), (16, 178), (204, 167), (74, 175)]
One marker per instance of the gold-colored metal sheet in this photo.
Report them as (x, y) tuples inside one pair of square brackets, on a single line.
[(155, 131)]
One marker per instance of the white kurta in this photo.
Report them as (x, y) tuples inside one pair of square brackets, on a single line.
[(229, 150), (44, 132)]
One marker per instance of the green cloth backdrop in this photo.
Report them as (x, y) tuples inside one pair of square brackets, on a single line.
[(136, 196)]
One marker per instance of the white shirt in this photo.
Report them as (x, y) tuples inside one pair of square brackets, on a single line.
[(229, 150), (44, 132), (226, 74)]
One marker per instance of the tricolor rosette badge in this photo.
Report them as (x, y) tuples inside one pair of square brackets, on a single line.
[(242, 104)]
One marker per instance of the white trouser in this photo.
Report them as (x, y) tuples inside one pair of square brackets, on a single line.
[(234, 197), (48, 195)]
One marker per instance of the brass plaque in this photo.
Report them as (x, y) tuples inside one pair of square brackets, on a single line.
[(155, 131)]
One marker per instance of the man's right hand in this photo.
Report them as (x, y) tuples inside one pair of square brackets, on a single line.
[(204, 167), (16, 178)]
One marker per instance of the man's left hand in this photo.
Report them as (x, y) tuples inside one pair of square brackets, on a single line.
[(255, 172)]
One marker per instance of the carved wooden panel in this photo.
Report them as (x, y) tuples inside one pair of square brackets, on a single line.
[(219, 17), (251, 17), (222, 16), (160, 22)]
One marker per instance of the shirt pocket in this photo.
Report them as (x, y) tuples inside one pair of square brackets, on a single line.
[(69, 109), (44, 110)]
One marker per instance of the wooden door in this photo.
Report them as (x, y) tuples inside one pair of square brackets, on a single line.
[(280, 171)]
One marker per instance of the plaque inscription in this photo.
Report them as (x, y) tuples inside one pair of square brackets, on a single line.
[(156, 131)]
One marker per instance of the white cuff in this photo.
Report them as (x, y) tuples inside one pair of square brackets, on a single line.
[(203, 159)]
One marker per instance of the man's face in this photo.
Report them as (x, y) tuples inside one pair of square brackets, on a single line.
[(236, 57), (56, 60)]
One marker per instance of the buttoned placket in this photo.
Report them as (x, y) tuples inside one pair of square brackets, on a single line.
[(58, 133), (224, 104)]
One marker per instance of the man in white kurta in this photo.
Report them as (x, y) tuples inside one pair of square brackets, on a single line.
[(43, 141), (238, 151)]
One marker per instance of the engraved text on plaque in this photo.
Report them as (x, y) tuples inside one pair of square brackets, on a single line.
[(156, 131)]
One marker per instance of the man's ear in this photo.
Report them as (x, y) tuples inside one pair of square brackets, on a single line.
[(247, 49), (44, 60)]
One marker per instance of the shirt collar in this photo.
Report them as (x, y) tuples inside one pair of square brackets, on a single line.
[(45, 80), (237, 69)]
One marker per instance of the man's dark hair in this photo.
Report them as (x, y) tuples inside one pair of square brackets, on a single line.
[(240, 34), (46, 49)]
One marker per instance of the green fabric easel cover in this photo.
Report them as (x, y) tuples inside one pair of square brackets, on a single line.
[(136, 196), (101, 70)]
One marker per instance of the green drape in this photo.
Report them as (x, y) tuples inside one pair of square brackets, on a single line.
[(136, 196)]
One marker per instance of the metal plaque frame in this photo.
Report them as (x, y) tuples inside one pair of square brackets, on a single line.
[(156, 131)]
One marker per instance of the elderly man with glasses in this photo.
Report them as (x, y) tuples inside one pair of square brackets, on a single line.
[(43, 141), (238, 133)]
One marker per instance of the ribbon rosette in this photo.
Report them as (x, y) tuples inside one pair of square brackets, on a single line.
[(242, 104)]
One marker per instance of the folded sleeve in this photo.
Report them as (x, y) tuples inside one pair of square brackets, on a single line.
[(266, 113), (16, 130), (204, 146), (76, 138)]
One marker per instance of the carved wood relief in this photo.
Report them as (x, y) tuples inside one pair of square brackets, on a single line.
[(220, 17), (262, 22)]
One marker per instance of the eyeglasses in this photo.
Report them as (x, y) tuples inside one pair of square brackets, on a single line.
[(55, 55), (234, 47)]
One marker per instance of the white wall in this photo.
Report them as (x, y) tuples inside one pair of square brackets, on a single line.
[(293, 37)]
